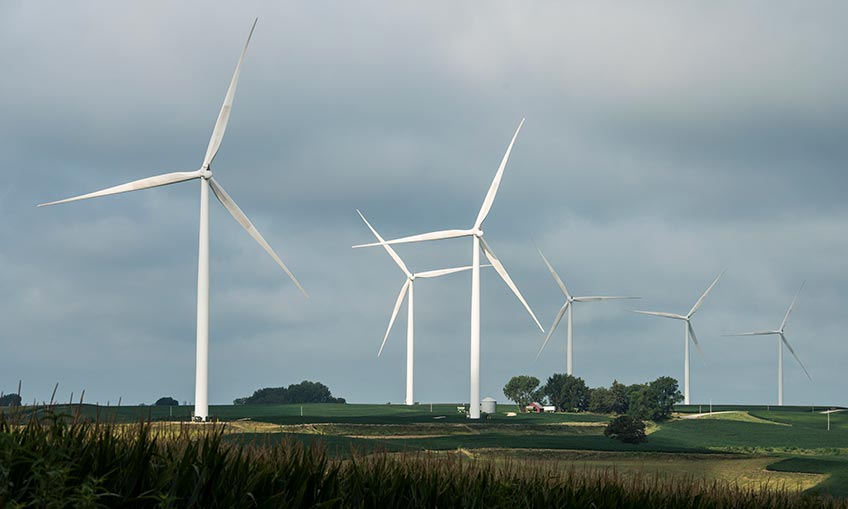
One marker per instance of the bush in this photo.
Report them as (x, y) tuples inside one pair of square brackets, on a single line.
[(167, 401), (626, 429)]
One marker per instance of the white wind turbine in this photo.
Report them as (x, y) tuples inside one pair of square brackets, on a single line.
[(204, 175), (476, 234), (690, 334), (568, 306), (407, 288), (781, 340)]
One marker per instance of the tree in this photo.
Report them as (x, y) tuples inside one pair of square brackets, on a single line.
[(167, 401), (627, 429), (601, 401), (12, 399), (566, 392), (522, 390), (654, 401), (304, 392), (640, 402), (665, 393), (619, 395)]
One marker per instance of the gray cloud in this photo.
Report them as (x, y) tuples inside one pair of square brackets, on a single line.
[(663, 143)]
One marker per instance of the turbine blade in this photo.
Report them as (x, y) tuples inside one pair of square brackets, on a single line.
[(440, 235), (442, 272), (499, 268), (659, 313), (596, 298), (695, 339), (135, 185), (493, 189), (786, 342), (755, 333), (555, 276), (557, 319), (389, 249), (704, 296), (242, 219), (224, 115), (401, 295), (788, 311)]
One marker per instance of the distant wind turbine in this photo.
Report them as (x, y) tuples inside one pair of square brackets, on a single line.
[(204, 175), (407, 288), (689, 334), (568, 306), (781, 340), (476, 234)]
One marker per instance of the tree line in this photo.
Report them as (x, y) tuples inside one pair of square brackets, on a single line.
[(304, 392), (648, 401)]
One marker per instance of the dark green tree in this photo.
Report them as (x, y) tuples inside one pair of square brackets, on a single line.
[(601, 400), (641, 405), (304, 392), (665, 393), (167, 401), (568, 393), (654, 401), (523, 390), (12, 399), (627, 429), (619, 395)]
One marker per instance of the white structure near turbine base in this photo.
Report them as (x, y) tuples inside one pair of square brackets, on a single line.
[(477, 243), (688, 334), (567, 308), (204, 175), (781, 340), (408, 290)]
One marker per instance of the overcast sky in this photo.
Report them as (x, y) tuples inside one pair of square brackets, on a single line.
[(664, 142)]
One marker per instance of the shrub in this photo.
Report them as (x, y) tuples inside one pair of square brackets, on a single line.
[(626, 429)]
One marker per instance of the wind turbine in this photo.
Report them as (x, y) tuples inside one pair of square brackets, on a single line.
[(407, 288), (204, 175), (568, 306), (781, 340), (476, 234), (689, 333)]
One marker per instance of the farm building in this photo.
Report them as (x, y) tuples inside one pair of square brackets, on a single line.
[(539, 408)]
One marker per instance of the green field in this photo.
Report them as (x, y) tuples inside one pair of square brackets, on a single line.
[(789, 447)]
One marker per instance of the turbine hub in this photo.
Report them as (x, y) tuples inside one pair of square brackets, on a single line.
[(478, 233), (205, 174), (412, 277)]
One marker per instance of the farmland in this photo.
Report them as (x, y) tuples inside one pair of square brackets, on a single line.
[(749, 446)]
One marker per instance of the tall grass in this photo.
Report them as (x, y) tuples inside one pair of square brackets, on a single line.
[(60, 461)]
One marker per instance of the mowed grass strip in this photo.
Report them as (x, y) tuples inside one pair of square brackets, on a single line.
[(748, 472), (834, 467)]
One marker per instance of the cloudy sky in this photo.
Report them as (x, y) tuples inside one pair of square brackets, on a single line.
[(663, 143)]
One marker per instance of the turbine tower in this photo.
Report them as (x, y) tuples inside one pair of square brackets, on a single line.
[(568, 306), (477, 242), (204, 175), (781, 340), (407, 288), (689, 334)]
